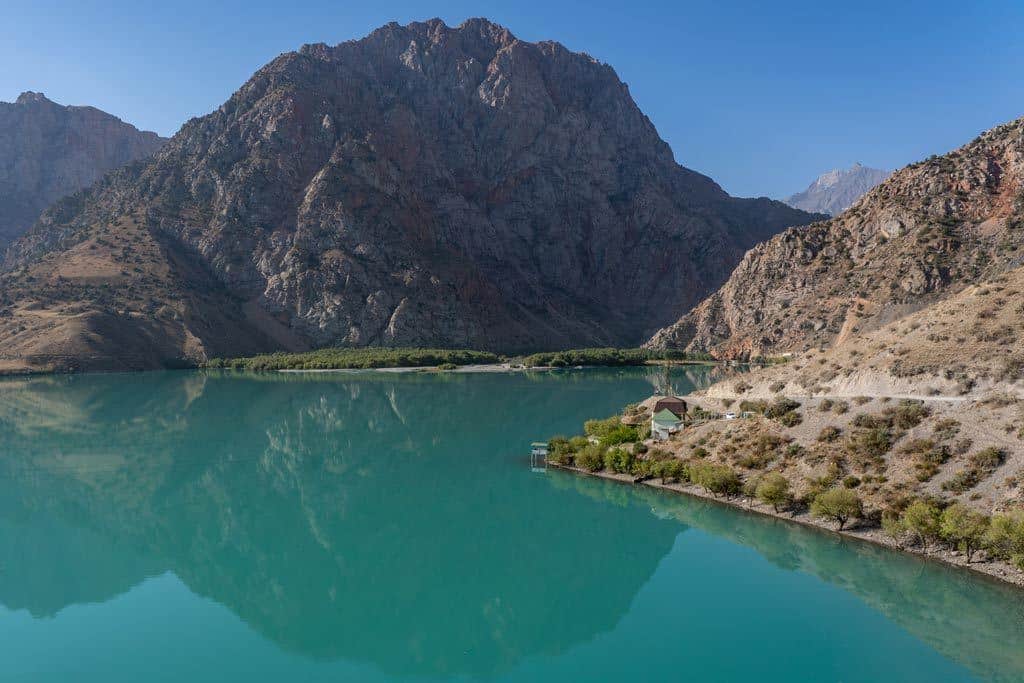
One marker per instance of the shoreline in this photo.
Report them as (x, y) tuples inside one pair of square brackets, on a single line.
[(489, 368), (8, 371), (1002, 572)]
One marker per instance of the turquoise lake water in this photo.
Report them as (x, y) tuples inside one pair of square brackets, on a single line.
[(185, 526)]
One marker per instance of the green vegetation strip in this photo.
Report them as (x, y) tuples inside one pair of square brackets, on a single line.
[(357, 359), (609, 357), (368, 358)]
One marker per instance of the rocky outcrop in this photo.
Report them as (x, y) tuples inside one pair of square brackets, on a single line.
[(426, 185), (837, 190), (48, 151), (931, 229)]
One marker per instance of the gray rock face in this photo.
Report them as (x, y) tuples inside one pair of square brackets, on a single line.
[(926, 232), (837, 190), (429, 185), (48, 151)]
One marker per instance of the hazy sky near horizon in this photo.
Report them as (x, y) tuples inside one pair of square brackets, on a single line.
[(761, 96)]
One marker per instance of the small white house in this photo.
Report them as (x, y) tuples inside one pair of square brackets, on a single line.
[(539, 448), (664, 423)]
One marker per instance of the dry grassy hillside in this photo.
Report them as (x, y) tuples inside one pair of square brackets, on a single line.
[(928, 405), (123, 299)]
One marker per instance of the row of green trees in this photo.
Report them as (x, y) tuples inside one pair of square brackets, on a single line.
[(608, 357), (366, 358), (355, 359), (957, 526)]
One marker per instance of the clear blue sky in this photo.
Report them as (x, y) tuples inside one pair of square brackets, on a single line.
[(761, 96)]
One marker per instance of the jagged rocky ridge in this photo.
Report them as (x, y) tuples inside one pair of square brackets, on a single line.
[(49, 151), (837, 190), (424, 185), (931, 229)]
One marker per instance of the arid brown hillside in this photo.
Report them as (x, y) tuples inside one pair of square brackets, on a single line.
[(425, 185), (961, 361), (49, 151), (928, 231)]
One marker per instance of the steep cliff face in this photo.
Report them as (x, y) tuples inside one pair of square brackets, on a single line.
[(837, 190), (931, 229), (424, 185), (48, 151)]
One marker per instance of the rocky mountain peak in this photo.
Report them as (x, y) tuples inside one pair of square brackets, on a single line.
[(29, 97), (49, 151), (425, 185), (837, 190)]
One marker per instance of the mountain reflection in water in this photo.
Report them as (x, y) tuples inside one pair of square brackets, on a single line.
[(393, 520)]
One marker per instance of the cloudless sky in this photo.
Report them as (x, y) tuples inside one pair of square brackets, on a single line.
[(761, 96)]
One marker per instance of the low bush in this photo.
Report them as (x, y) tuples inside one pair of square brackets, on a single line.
[(988, 459), (754, 406), (907, 414), (791, 419), (962, 481), (560, 451), (590, 458), (619, 435), (829, 434), (619, 460), (780, 407), (873, 442), (599, 428)]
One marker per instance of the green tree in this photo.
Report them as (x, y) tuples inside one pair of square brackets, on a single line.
[(618, 460), (838, 504), (1005, 537), (716, 479), (892, 525), (600, 428), (674, 469), (773, 489), (964, 528), (923, 518)]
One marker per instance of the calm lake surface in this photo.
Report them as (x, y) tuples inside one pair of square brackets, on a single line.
[(378, 527)]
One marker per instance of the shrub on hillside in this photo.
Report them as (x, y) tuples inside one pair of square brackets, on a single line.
[(716, 479), (590, 458), (773, 489), (780, 407), (922, 519), (1004, 538), (829, 434), (964, 528), (618, 460), (838, 505)]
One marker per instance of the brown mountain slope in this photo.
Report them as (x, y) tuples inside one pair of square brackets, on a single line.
[(424, 185), (49, 151), (930, 229), (961, 361)]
